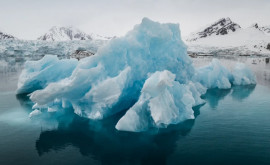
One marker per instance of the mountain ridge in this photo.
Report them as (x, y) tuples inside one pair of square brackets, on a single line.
[(4, 36), (67, 33), (223, 26), (254, 39)]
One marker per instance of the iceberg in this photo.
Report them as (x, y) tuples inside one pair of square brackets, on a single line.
[(116, 74), (146, 73), (242, 75), (214, 75)]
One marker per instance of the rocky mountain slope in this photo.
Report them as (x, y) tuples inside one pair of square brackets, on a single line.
[(6, 36), (265, 29), (226, 37), (68, 33), (223, 26)]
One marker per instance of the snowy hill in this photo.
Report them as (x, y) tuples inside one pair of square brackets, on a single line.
[(6, 36), (240, 41), (223, 26), (68, 33)]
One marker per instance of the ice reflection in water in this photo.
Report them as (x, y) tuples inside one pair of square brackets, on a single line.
[(99, 139)]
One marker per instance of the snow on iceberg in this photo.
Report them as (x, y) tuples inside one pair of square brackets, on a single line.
[(147, 72)]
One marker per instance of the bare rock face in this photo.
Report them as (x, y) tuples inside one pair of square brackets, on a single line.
[(221, 27), (4, 36), (81, 53), (268, 46), (265, 29)]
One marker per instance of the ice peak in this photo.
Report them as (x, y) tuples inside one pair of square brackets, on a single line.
[(145, 20)]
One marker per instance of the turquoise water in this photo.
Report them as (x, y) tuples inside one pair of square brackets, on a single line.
[(233, 127)]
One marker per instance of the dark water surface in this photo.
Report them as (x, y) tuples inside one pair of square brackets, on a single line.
[(233, 127)]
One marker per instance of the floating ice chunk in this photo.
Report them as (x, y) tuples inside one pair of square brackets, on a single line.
[(38, 74), (34, 113), (163, 101), (214, 75), (242, 75)]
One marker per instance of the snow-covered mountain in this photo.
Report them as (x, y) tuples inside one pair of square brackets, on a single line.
[(265, 29), (223, 26), (232, 39), (6, 36), (68, 33)]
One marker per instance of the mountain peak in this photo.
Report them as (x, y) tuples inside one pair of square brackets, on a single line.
[(66, 33), (62, 33), (224, 20), (223, 26)]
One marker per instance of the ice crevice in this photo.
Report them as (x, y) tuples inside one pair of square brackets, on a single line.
[(149, 65)]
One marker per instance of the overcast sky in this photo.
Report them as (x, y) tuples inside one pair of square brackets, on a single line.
[(28, 19)]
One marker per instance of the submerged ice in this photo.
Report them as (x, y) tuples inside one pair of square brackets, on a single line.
[(147, 72)]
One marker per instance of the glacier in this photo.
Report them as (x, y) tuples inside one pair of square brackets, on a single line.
[(146, 73), (35, 49)]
